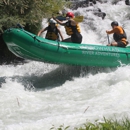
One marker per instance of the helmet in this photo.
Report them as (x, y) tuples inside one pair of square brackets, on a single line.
[(52, 21), (114, 23), (70, 14)]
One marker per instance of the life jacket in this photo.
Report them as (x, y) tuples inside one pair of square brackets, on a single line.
[(71, 29), (52, 33), (118, 37)]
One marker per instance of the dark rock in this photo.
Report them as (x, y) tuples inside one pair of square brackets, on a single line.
[(127, 2), (7, 57)]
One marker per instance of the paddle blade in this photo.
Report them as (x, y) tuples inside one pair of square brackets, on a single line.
[(78, 18)]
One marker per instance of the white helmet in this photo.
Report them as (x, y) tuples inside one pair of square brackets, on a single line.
[(52, 21)]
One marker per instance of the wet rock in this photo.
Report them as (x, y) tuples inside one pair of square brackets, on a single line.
[(7, 57), (127, 2)]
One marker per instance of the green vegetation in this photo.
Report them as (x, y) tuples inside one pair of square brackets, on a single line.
[(28, 13), (124, 124)]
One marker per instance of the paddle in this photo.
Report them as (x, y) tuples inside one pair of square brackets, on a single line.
[(61, 18), (77, 18), (108, 39)]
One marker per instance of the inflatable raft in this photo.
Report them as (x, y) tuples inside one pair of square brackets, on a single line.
[(29, 46)]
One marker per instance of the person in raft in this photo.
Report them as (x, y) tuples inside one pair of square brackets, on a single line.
[(119, 35), (72, 28), (52, 31)]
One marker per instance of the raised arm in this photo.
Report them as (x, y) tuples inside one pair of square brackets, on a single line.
[(41, 31), (58, 21), (60, 34)]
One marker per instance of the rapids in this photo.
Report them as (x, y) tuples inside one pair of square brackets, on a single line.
[(38, 96)]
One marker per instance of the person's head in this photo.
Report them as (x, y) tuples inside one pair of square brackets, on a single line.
[(70, 14), (52, 22), (114, 23)]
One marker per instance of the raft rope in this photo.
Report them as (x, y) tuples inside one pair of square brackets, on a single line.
[(62, 46), (66, 47)]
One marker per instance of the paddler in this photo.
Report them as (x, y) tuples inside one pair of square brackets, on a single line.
[(53, 31), (119, 35), (72, 28)]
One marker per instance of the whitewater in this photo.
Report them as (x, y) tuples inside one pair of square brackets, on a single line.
[(38, 96)]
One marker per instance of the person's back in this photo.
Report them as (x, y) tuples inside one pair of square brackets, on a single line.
[(119, 34), (73, 31), (52, 33)]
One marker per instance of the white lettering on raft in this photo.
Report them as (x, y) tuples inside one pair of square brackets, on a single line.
[(100, 48), (101, 53)]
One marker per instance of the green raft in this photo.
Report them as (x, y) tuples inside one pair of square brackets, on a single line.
[(29, 46)]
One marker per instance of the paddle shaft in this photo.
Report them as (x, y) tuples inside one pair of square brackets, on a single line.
[(77, 18), (108, 39)]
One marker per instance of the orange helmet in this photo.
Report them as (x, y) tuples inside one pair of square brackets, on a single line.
[(70, 14)]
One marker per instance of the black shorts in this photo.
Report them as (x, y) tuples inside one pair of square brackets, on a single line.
[(121, 44), (76, 38)]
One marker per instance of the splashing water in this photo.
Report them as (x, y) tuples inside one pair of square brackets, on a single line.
[(36, 96)]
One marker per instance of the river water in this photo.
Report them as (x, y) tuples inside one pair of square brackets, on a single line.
[(38, 96)]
